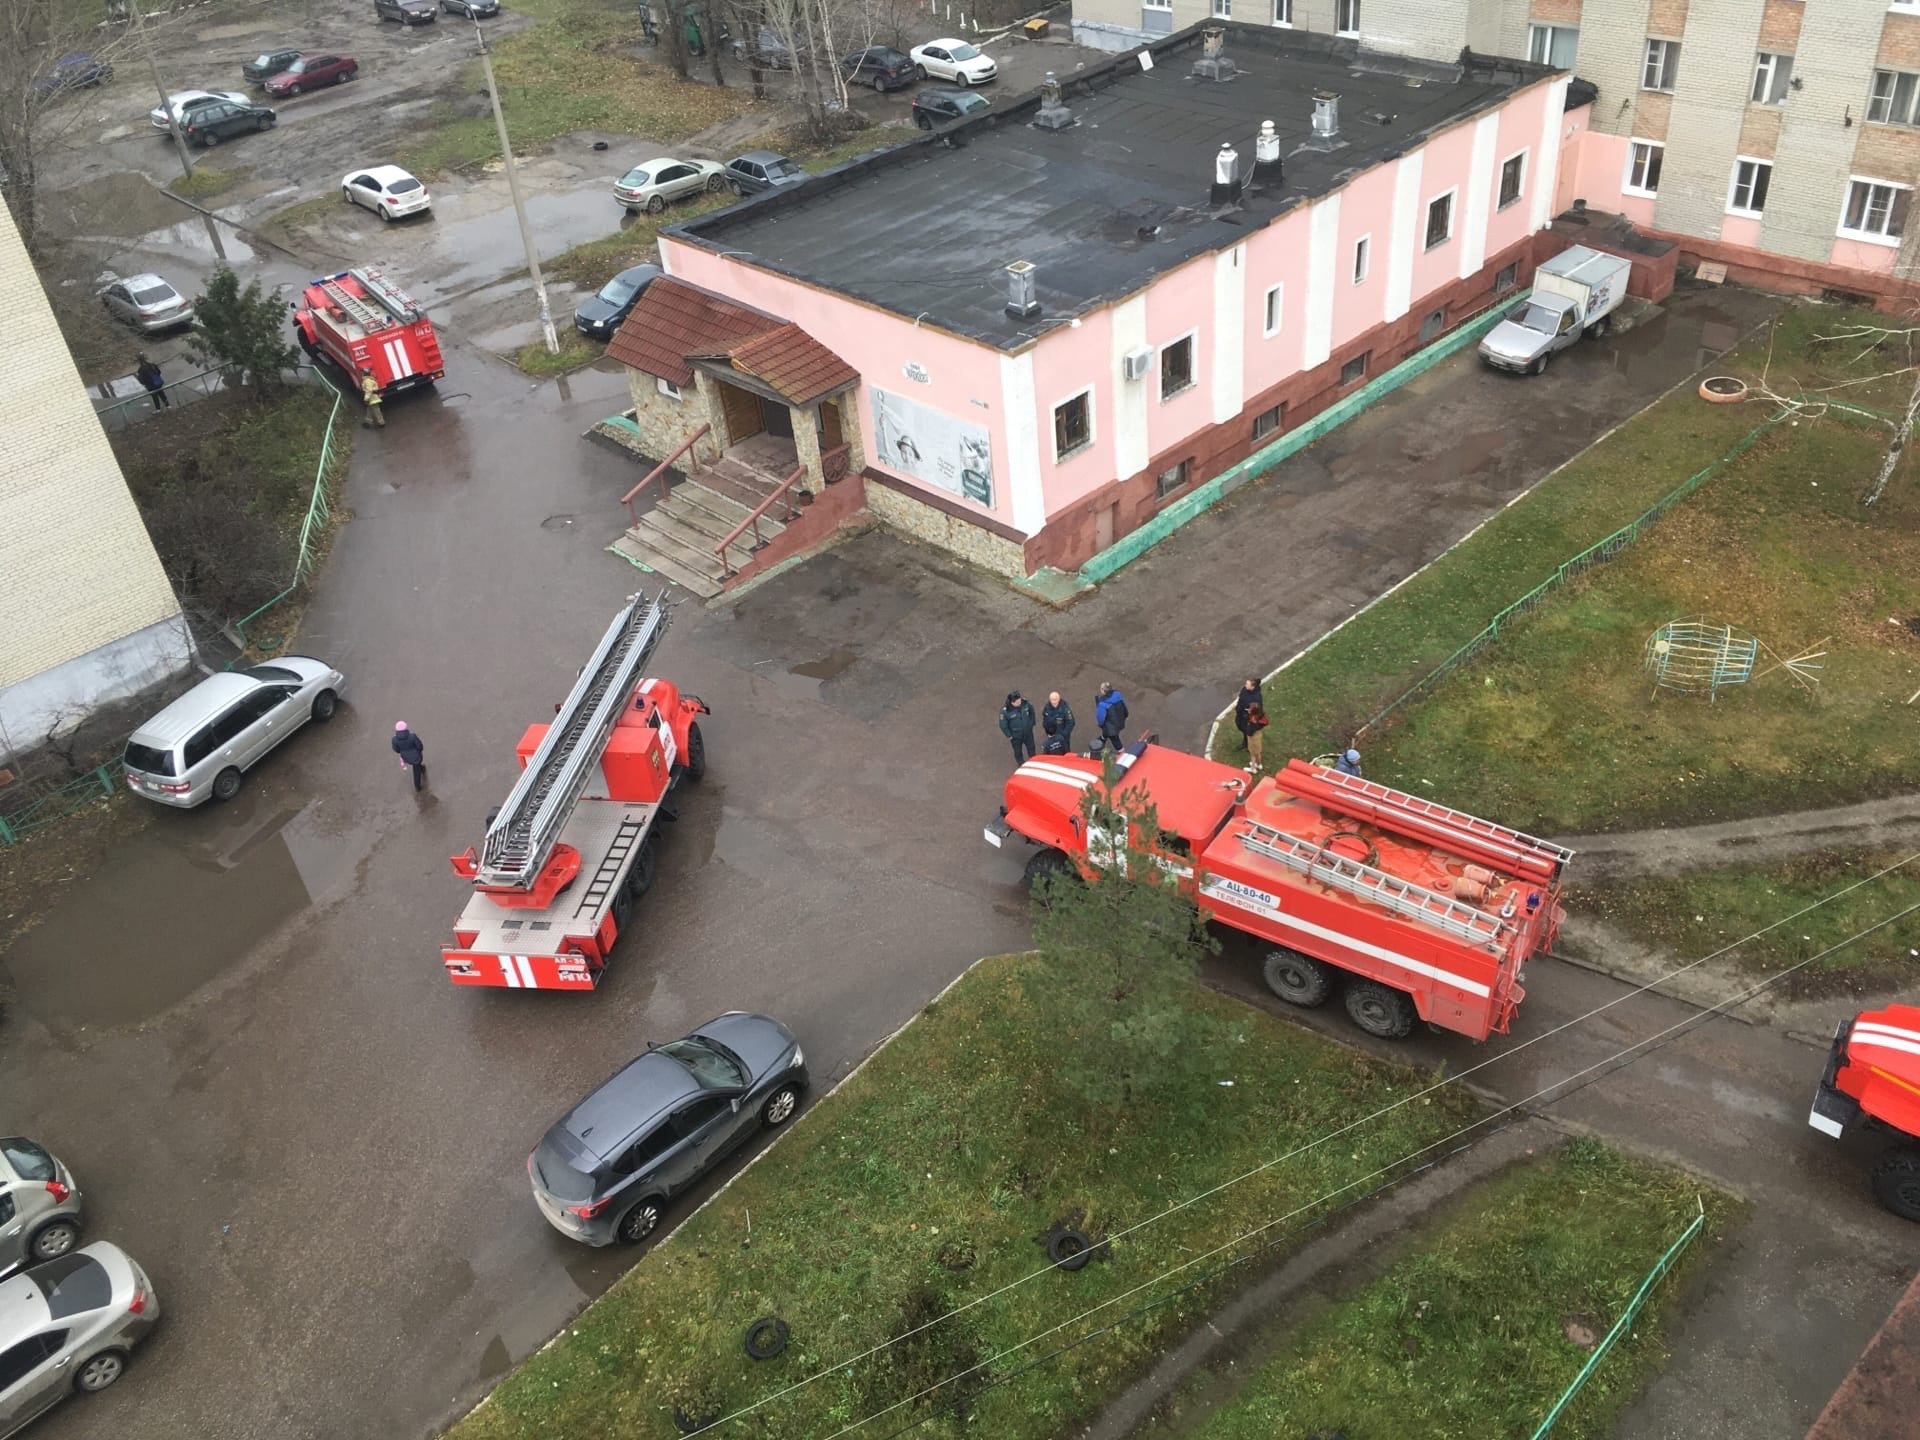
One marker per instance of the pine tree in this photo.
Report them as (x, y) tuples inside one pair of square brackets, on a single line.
[(243, 332)]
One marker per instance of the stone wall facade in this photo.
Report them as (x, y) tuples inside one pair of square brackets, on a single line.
[(918, 513)]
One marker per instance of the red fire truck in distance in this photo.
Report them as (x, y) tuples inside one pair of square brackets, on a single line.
[(1873, 1075), (359, 318), (574, 845), (1413, 909)]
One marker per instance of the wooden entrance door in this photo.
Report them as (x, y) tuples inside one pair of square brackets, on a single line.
[(776, 419), (1104, 520), (830, 436), (742, 411)]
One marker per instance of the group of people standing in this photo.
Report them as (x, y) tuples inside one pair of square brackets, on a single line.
[(1056, 722)]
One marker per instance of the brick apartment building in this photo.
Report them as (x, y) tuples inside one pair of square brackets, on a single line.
[(1781, 137)]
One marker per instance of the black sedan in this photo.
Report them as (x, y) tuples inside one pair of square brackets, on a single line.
[(759, 170), (264, 67), (599, 317), (943, 107), (882, 67)]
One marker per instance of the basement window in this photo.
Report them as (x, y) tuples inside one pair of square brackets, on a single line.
[(1268, 421), (1355, 369), (1505, 278), (1169, 481)]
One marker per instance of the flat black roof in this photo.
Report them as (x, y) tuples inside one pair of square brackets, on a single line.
[(1103, 206)]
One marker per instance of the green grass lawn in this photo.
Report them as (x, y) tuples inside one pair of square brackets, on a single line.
[(1466, 1334), (204, 183), (1694, 913), (931, 1178), (575, 350)]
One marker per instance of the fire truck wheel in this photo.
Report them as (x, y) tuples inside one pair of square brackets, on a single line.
[(1297, 979), (1896, 1181), (640, 1222), (1048, 865), (1383, 1013), (324, 704), (226, 784), (640, 878), (696, 754), (621, 910), (780, 1107)]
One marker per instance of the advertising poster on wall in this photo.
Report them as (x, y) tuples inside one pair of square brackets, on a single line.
[(928, 445)]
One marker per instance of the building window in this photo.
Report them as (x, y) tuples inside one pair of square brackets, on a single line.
[(1354, 369), (1892, 100), (1433, 325), (1771, 75), (1360, 249), (1643, 167), (667, 388), (1750, 181), (1513, 178), (1554, 45), (1663, 59), (1268, 421), (1876, 210), (1272, 327), (1439, 220), (1346, 17), (1506, 277), (1073, 425), (1176, 367), (1223, 9), (1168, 481), (1283, 12), (1157, 4)]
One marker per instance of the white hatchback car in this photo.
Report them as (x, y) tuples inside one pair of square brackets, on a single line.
[(387, 190), (954, 60), (184, 102)]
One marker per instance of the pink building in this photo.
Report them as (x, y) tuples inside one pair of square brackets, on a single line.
[(1063, 318)]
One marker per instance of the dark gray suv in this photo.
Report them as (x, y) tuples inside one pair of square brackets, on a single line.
[(607, 1169)]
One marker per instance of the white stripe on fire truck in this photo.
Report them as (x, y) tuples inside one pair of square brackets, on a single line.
[(526, 972), (1880, 1027), (1905, 1045), (1040, 770), (508, 973), (397, 358), (1392, 957)]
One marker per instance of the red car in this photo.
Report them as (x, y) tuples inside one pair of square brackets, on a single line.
[(310, 72)]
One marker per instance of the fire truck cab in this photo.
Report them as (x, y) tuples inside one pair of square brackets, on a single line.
[(359, 320), (1873, 1078)]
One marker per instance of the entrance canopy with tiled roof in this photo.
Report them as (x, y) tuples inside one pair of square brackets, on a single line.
[(787, 362), (673, 320)]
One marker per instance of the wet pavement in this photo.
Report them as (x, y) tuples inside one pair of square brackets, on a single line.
[(240, 1036)]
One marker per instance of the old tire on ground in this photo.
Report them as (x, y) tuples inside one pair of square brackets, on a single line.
[(324, 704), (696, 766), (1297, 979), (780, 1106), (53, 1239), (640, 878), (766, 1338), (1068, 1248), (655, 204), (1381, 1011), (639, 1222), (227, 784), (100, 1372), (1896, 1181)]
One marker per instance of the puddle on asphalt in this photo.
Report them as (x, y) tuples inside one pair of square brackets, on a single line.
[(467, 251), (494, 1360), (827, 667)]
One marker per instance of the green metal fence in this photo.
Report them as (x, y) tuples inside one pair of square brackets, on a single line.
[(134, 408), (55, 802), (1654, 1276)]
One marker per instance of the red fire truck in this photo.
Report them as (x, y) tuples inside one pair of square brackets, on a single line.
[(1873, 1075), (574, 845), (359, 318), (1420, 911)]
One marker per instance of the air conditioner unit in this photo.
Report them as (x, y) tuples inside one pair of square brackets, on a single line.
[(1135, 363)]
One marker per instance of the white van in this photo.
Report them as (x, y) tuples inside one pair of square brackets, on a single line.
[(201, 745)]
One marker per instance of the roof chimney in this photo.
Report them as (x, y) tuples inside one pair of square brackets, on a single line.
[(1226, 177), (1267, 166), (1326, 114), (1212, 65), (1053, 115), (1022, 302)]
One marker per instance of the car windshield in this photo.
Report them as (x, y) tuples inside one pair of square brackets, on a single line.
[(639, 175), (263, 59), (299, 67), (618, 291), (274, 674), (403, 185), (713, 1067), (1538, 317), (28, 1160), (781, 169), (72, 1285), (967, 104), (154, 295), (963, 52), (146, 758)]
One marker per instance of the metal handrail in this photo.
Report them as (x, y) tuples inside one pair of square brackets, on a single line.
[(752, 522), (660, 470)]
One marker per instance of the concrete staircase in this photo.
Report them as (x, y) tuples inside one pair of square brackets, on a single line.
[(678, 536)]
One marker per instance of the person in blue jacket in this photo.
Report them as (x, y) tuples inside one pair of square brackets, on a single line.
[(1110, 715), (1349, 764)]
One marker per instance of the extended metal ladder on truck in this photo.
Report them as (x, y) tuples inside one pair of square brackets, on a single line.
[(395, 306)]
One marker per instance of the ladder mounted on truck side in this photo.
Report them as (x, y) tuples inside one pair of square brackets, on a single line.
[(1513, 851), (522, 836), (383, 305)]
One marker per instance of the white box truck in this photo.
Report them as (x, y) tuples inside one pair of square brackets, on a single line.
[(1573, 294)]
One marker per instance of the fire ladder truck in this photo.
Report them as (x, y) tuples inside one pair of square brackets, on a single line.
[(1413, 909), (574, 846), (360, 319)]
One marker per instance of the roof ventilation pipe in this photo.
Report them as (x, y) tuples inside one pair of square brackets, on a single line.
[(1326, 114), (1022, 299), (1053, 114), (1212, 65), (1227, 183), (1267, 166)]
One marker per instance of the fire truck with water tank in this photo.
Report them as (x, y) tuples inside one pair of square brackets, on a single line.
[(1413, 909), (360, 319), (574, 844), (1873, 1076)]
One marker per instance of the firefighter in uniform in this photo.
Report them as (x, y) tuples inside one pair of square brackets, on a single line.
[(370, 392)]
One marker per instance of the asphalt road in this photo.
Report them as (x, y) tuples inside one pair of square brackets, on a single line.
[(239, 1035)]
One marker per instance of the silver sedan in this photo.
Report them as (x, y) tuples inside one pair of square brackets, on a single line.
[(69, 1325), (651, 185), (147, 303)]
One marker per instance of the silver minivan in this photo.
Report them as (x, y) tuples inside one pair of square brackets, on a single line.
[(200, 746)]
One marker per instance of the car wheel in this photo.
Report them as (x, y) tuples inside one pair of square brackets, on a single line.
[(99, 1372), (716, 183), (324, 704), (919, 72), (1384, 1013), (639, 1222), (53, 1240), (655, 204), (210, 139), (227, 784), (342, 78), (780, 1106), (265, 122), (924, 122), (1297, 979), (387, 216), (960, 79), (346, 194), (696, 754), (640, 878)]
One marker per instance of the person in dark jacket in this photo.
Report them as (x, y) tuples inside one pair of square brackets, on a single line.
[(148, 374), (412, 753), (1016, 723), (1349, 764), (1110, 714), (1250, 718), (1057, 720)]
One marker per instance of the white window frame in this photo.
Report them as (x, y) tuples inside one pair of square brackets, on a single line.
[(1362, 259), (1872, 237), (1283, 14), (1892, 117), (1427, 243), (1352, 9), (1157, 4), (1222, 9), (1192, 337), (1274, 315), (1733, 186), (1627, 187), (1903, 4), (1669, 61), (666, 388), (1549, 30), (1093, 433), (1520, 191), (1767, 77)]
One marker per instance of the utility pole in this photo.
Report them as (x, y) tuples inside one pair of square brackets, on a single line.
[(513, 189), (173, 120)]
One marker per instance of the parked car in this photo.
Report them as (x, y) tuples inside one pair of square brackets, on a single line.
[(181, 102), (201, 745), (210, 124), (73, 72), (650, 185), (606, 1170), (147, 303), (943, 107), (263, 67), (387, 190), (770, 51), (600, 315), (477, 9), (954, 60), (310, 72), (68, 1326), (759, 170), (882, 67), (407, 12), (39, 1205)]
